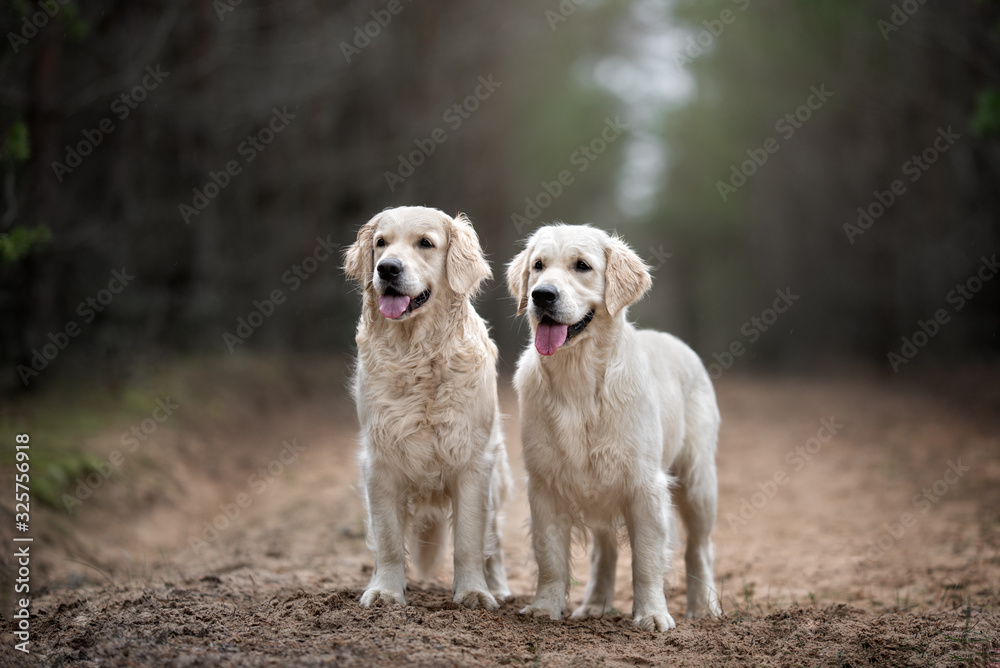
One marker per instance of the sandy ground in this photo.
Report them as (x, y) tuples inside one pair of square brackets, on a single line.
[(877, 546)]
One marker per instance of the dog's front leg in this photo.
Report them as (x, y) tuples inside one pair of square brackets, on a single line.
[(385, 522), (646, 518), (550, 532), (469, 499)]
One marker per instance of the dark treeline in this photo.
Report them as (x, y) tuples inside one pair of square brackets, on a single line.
[(171, 168), (876, 209)]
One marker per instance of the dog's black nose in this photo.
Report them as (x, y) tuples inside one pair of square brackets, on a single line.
[(390, 268), (544, 295)]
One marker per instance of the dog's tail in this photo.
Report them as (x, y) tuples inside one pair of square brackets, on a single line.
[(429, 540)]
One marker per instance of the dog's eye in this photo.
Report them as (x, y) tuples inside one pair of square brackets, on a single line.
[(582, 266), (539, 266), (380, 242), (426, 243)]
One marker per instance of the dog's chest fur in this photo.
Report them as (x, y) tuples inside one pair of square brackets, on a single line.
[(580, 452), (419, 401)]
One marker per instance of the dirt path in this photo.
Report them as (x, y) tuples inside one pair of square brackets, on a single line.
[(877, 542)]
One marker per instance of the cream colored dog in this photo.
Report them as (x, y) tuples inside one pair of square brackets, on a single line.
[(426, 393), (610, 417)]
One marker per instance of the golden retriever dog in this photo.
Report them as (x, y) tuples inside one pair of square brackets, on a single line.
[(425, 386), (614, 420)]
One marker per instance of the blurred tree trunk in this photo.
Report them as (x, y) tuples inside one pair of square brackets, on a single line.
[(198, 156), (44, 119)]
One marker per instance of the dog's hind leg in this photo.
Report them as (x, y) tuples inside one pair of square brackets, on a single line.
[(696, 500), (600, 592), (697, 497), (429, 538), (496, 575)]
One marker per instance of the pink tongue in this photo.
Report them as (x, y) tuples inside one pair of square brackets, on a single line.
[(549, 336), (392, 306)]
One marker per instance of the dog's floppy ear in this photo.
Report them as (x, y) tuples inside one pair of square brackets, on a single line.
[(359, 262), (517, 278), (466, 265), (626, 278)]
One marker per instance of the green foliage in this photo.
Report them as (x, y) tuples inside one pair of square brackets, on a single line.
[(16, 146), (76, 425), (75, 27), (57, 455), (783, 223), (986, 117), (62, 423), (20, 241), (559, 110), (55, 472)]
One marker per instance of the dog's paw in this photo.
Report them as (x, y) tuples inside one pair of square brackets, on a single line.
[(501, 594), (704, 610), (588, 610), (655, 622), (477, 599), (375, 595), (538, 609)]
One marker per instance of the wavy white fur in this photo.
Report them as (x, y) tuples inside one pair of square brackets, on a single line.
[(614, 424), (425, 386)]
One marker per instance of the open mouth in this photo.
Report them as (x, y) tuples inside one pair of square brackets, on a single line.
[(393, 304), (551, 335)]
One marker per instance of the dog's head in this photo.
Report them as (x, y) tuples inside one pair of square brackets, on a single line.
[(567, 275), (413, 256)]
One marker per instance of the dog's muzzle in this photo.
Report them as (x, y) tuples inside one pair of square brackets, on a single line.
[(389, 269), (550, 335), (393, 304), (545, 296)]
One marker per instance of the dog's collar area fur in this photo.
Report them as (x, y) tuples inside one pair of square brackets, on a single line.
[(415, 302), (578, 327)]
